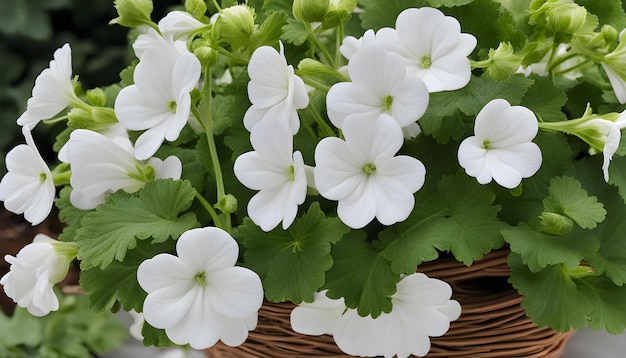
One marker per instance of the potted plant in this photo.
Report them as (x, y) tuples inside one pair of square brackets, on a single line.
[(329, 157)]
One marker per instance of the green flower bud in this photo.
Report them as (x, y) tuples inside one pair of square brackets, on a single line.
[(310, 10), (96, 97), (227, 204), (503, 62), (610, 34), (236, 25), (103, 115), (133, 13), (206, 55), (555, 224), (197, 8), (564, 16)]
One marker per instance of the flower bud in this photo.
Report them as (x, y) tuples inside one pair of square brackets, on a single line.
[(227, 204), (503, 62), (555, 224), (133, 13), (610, 34), (97, 97), (236, 25), (310, 10), (197, 8), (564, 16)]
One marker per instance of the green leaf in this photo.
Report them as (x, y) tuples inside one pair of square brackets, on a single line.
[(545, 100), (224, 112), (610, 259), (292, 263), (551, 296), (608, 11), (459, 216), (567, 197), (361, 275), (607, 310), (108, 232), (118, 281), (539, 250), (155, 337), (617, 175), (294, 32), (22, 329), (270, 30)]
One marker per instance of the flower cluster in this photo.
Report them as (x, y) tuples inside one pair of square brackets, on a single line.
[(320, 156)]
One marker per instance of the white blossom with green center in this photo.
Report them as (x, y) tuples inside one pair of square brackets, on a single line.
[(274, 90), (101, 165), (28, 187), (200, 296), (379, 85), (276, 172), (422, 308), (364, 174), (502, 147), (159, 102), (34, 271), (433, 47)]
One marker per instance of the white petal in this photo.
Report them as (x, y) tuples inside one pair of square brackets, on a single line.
[(452, 309), (336, 175), (207, 249), (359, 208), (199, 327), (171, 167), (235, 292), (168, 306), (269, 77), (234, 331), (150, 141), (619, 85), (256, 173), (178, 24), (359, 336), (186, 73), (318, 317), (162, 271)]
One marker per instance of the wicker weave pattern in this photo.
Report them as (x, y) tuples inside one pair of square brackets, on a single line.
[(493, 324)]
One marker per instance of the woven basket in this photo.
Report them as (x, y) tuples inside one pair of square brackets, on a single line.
[(492, 324)]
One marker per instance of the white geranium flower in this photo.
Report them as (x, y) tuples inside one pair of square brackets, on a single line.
[(101, 165), (177, 24), (276, 171), (350, 45), (379, 85), (422, 308), (433, 46), (53, 91), (502, 147), (34, 271), (200, 297), (27, 187), (159, 102), (274, 90), (365, 176)]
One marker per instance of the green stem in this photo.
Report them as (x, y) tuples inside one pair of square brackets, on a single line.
[(208, 129), (217, 6), (237, 60), (340, 34), (61, 178), (560, 60), (324, 127), (316, 42), (207, 206)]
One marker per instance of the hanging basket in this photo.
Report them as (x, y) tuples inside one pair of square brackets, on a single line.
[(492, 323)]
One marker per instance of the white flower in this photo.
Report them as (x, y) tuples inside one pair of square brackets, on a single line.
[(433, 46), (350, 45), (200, 296), (379, 85), (34, 271), (276, 171), (502, 147), (53, 91), (101, 165), (274, 90), (604, 135), (166, 46), (421, 309), (27, 187), (159, 101), (363, 174), (177, 24)]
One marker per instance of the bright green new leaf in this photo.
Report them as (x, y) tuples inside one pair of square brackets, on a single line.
[(361, 275), (539, 250), (292, 263), (459, 217), (551, 296), (567, 197), (118, 281), (108, 232)]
